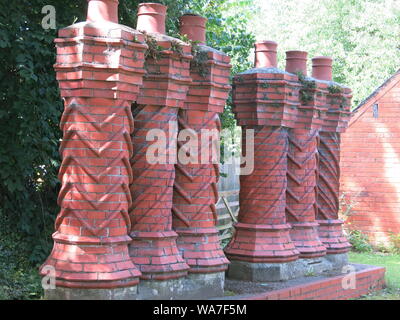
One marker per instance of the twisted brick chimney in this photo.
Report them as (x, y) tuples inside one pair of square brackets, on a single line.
[(98, 80), (302, 171), (195, 189), (338, 101), (164, 92), (265, 100)]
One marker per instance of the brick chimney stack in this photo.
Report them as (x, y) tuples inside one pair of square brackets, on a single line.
[(338, 103), (98, 80), (265, 100)]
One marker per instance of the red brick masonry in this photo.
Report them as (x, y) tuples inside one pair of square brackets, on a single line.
[(367, 281), (99, 69)]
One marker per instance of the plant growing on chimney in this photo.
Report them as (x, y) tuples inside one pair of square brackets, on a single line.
[(307, 86), (176, 47), (200, 58), (199, 61), (154, 50), (334, 89)]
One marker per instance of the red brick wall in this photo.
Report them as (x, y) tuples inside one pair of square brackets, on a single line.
[(366, 281), (370, 166)]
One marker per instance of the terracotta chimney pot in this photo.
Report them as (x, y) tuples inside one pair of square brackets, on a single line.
[(102, 10), (322, 68), (194, 26), (265, 54), (296, 61), (151, 17)]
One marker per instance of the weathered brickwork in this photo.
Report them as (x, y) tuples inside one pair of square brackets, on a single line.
[(164, 91), (99, 68), (132, 209), (367, 281), (266, 100), (301, 204), (335, 122), (195, 189)]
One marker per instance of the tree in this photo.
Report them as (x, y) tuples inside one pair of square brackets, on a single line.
[(361, 35)]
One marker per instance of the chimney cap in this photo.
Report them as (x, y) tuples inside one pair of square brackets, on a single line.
[(265, 54), (322, 58), (151, 17), (102, 10), (296, 53), (266, 45)]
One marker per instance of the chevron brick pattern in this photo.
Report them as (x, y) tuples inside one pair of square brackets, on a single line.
[(195, 188), (262, 235), (165, 86), (301, 204), (330, 227), (266, 100), (195, 196), (99, 72)]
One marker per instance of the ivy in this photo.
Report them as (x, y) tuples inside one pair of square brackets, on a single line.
[(154, 50), (176, 47), (306, 94)]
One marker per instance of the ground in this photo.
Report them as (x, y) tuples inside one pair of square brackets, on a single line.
[(392, 264)]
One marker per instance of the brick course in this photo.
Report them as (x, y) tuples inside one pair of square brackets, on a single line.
[(367, 281)]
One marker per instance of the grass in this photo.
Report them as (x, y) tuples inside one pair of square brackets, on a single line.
[(392, 264)]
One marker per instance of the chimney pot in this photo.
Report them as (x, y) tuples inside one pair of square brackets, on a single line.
[(151, 17), (322, 68), (296, 61), (102, 10), (194, 26), (265, 54)]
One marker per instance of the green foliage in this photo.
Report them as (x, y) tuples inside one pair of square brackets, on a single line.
[(19, 278), (154, 50), (395, 239), (227, 30), (176, 47), (199, 61), (29, 116), (359, 241), (307, 85), (393, 247), (361, 35), (334, 89)]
